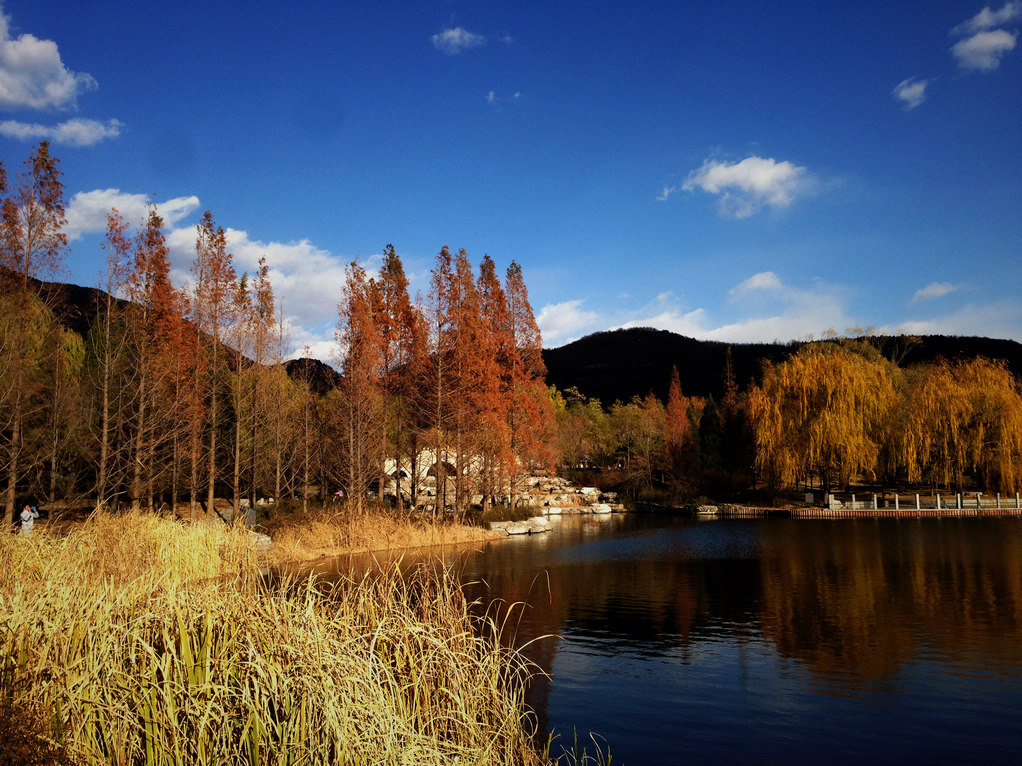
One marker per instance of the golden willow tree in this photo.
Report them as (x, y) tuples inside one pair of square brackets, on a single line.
[(822, 412), (959, 418)]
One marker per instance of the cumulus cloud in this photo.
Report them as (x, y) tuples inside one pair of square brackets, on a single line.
[(87, 211), (764, 280), (984, 50), (911, 92), (932, 291), (987, 19), (773, 311), (744, 188), (454, 41), (69, 133), (32, 76), (561, 322)]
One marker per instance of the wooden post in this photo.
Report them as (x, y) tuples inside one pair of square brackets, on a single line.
[(917, 501), (979, 502), (896, 507), (938, 501), (958, 499), (998, 501), (853, 502), (874, 502)]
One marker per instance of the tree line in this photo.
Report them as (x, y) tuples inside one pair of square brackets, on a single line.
[(836, 412), (180, 395)]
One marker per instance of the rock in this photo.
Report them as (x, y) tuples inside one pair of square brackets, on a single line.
[(601, 508), (553, 510), (517, 528), (262, 543)]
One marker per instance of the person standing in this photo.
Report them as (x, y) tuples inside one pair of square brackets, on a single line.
[(28, 517)]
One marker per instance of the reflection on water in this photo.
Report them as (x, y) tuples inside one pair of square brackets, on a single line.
[(771, 640)]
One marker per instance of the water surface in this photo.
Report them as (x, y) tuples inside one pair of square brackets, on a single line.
[(769, 640)]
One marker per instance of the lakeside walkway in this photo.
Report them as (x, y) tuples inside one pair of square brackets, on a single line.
[(889, 507)]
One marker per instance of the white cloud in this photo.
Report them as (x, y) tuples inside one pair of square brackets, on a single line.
[(778, 313), (745, 187), (87, 211), (764, 280), (491, 97), (932, 291), (69, 133), (559, 321), (911, 92), (997, 319), (987, 19), (667, 192), (454, 41), (32, 75), (983, 50)]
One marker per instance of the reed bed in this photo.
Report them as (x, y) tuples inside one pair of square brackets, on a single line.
[(330, 530), (138, 640)]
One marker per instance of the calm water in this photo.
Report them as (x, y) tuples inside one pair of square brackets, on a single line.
[(772, 641)]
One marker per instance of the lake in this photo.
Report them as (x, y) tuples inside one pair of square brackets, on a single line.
[(769, 640)]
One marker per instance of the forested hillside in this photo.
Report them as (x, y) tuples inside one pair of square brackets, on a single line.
[(620, 364)]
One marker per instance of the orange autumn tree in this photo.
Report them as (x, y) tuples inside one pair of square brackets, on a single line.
[(401, 349), (161, 348), (530, 413), (677, 436), (438, 381), (497, 352), (360, 353)]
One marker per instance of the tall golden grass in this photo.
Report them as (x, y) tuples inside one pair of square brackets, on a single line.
[(138, 640), (333, 530)]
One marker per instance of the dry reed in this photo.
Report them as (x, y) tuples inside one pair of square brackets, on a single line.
[(325, 531), (136, 640)]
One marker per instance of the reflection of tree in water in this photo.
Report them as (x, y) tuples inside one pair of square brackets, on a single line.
[(858, 600)]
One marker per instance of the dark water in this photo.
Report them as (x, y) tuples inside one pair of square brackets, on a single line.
[(771, 641)]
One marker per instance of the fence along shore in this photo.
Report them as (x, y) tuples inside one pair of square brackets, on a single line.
[(853, 506)]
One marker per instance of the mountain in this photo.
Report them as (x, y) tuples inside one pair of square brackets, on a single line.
[(619, 364)]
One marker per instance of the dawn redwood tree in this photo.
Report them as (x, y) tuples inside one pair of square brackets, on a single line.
[(361, 359), (530, 414), (677, 436), (262, 324), (32, 245), (401, 348), (162, 350), (497, 353), (438, 380), (108, 343), (469, 358), (213, 305)]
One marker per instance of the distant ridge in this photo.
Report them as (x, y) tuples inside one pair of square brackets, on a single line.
[(617, 365), (614, 365)]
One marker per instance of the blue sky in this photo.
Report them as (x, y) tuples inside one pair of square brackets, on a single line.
[(727, 170)]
